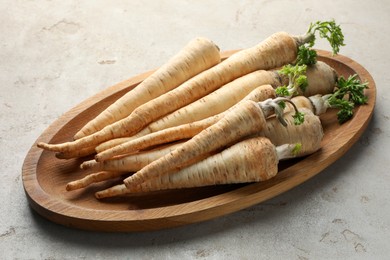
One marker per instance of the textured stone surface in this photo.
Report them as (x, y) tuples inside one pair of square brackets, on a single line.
[(54, 54)]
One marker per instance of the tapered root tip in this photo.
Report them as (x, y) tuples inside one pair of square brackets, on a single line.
[(47, 146), (41, 145), (100, 195), (84, 166), (70, 187), (78, 136), (60, 155), (112, 192), (99, 158), (105, 194), (90, 164)]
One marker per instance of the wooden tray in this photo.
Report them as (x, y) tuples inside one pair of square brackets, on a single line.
[(45, 177)]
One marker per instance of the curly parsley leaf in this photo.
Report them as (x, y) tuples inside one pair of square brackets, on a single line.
[(282, 91), (328, 30), (353, 88), (345, 108), (299, 118), (306, 56), (296, 77)]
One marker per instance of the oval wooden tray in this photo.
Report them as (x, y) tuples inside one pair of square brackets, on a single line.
[(45, 177)]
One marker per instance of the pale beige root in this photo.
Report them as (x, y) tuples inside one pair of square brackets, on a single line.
[(300, 102), (198, 55), (88, 141), (180, 132), (258, 94), (251, 160), (116, 190), (309, 134), (114, 142), (164, 136), (245, 119), (217, 101), (317, 103), (93, 178), (130, 163), (76, 154), (275, 51), (321, 79)]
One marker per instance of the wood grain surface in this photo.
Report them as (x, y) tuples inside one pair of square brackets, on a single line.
[(45, 176)]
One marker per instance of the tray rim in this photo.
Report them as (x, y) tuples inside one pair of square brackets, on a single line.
[(67, 214)]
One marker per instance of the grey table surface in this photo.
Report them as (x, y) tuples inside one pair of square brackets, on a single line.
[(55, 54)]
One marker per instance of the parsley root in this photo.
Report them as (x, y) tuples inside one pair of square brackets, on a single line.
[(114, 168), (197, 56), (274, 51), (309, 135), (251, 160), (319, 78), (180, 132), (277, 50), (217, 101), (247, 118)]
